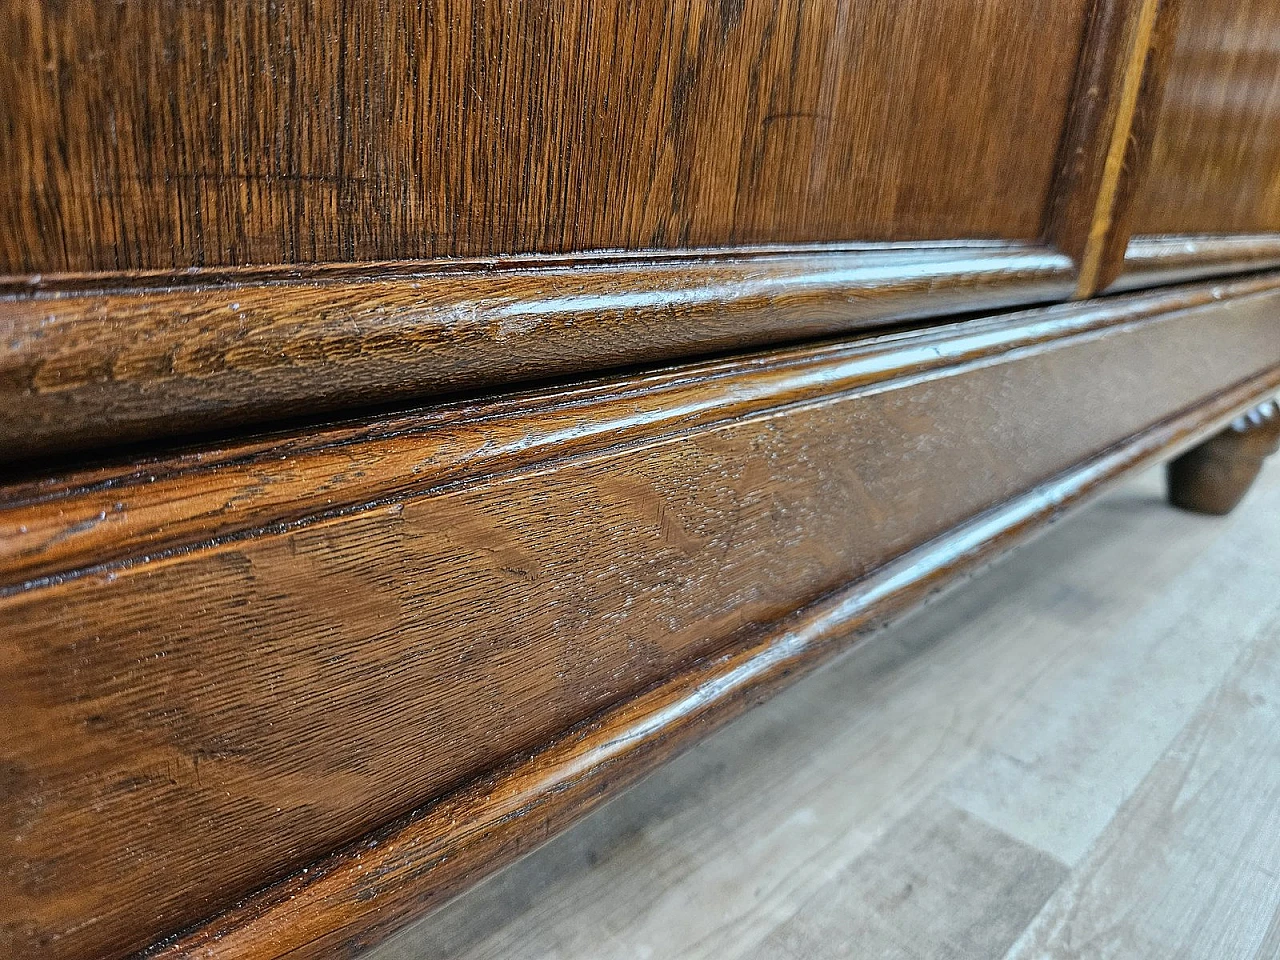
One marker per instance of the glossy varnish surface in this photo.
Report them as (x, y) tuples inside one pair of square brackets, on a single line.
[(1151, 261), (367, 662), (55, 526), (920, 123), (359, 894), (1216, 151), (242, 658), (1119, 83), (94, 368), (167, 135), (1061, 739)]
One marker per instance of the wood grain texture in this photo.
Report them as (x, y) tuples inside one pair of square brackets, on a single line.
[(1058, 700), (90, 368), (1115, 109), (1185, 869), (285, 692), (358, 896), (144, 182), (57, 526), (273, 648), (1116, 79), (1215, 153), (951, 857), (173, 134)]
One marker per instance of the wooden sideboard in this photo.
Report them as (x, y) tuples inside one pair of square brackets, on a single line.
[(419, 420)]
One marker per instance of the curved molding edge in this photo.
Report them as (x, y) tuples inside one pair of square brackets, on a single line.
[(105, 518), (85, 367), (1159, 260)]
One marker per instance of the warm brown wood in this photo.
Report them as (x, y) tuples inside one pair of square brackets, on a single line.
[(360, 894), (1110, 229), (284, 691), (168, 135), (1215, 476), (157, 506), (230, 662), (762, 123), (87, 368), (1216, 153), (1077, 736), (1104, 151), (1208, 201)]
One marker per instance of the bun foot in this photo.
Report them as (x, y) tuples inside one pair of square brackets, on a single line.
[(1215, 476)]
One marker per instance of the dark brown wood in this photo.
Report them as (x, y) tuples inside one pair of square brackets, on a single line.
[(58, 525), (93, 360), (1215, 476), (220, 666), (91, 368), (1104, 151), (1206, 202), (1215, 155), (360, 894), (1137, 137), (169, 135), (284, 691)]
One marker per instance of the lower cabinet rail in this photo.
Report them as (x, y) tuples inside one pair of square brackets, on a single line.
[(286, 694)]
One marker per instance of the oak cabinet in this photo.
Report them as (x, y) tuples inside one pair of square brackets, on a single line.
[(418, 420), (1215, 151), (174, 135)]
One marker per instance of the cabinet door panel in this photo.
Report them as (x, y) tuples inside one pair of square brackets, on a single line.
[(1215, 162), (166, 135)]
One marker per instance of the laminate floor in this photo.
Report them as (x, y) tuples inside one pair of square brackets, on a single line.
[(1075, 756)]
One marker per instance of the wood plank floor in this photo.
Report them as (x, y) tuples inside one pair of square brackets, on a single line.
[(1076, 755)]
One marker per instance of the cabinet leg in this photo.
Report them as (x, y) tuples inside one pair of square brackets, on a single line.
[(1213, 477)]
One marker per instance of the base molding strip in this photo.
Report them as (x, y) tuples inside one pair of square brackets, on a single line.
[(1151, 261), (222, 664), (93, 367), (362, 894)]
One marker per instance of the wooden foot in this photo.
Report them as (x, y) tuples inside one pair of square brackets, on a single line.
[(1214, 477)]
